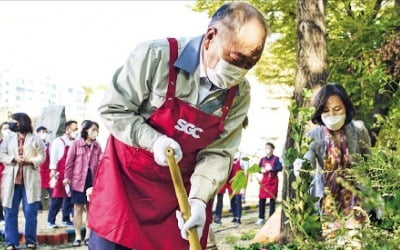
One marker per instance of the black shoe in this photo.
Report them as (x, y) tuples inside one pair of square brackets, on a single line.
[(86, 242), (76, 243), (234, 220)]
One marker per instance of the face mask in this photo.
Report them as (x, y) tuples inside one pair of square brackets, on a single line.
[(268, 151), (43, 136), (13, 126), (73, 134), (92, 135), (225, 75), (334, 122)]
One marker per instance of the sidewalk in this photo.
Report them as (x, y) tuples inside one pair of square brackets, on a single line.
[(45, 236)]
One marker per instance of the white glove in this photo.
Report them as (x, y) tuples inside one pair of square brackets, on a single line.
[(159, 147), (197, 218), (297, 164), (89, 192)]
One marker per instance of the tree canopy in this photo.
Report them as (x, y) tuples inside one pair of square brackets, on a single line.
[(363, 53)]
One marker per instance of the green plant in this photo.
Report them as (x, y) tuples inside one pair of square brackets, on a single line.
[(231, 239), (248, 235)]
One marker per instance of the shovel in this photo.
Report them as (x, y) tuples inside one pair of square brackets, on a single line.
[(182, 197)]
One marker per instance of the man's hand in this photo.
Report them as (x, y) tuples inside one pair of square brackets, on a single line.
[(159, 147), (197, 218), (66, 181)]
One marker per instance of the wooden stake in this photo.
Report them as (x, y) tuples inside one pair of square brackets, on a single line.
[(182, 197)]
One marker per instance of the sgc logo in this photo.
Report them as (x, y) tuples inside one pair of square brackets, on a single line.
[(188, 128)]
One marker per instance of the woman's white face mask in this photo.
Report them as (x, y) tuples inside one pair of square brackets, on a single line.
[(334, 122), (92, 134)]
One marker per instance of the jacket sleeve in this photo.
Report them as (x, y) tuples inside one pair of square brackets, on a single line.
[(5, 157), (311, 153), (70, 161), (120, 107), (365, 140), (40, 152), (215, 161), (277, 165), (56, 153)]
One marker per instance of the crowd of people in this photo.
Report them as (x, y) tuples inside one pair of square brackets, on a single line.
[(65, 168)]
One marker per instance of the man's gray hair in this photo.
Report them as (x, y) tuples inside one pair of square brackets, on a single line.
[(234, 15)]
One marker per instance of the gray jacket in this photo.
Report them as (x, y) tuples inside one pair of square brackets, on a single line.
[(34, 152), (359, 143)]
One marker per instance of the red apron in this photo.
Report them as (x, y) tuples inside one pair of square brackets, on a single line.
[(44, 171), (269, 182), (228, 184), (59, 189), (133, 202)]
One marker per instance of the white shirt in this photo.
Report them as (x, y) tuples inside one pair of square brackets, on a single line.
[(57, 150)]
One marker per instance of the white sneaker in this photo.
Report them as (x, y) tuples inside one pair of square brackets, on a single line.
[(260, 221), (51, 226)]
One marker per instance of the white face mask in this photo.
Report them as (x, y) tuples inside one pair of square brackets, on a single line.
[(73, 134), (334, 122), (225, 75), (43, 136), (92, 135)]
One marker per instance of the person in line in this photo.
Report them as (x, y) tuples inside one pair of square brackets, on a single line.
[(336, 142), (188, 94), (270, 165), (44, 167), (235, 199), (4, 133), (80, 168), (58, 155), (21, 152)]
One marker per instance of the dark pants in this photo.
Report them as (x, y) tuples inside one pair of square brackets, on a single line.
[(98, 243), (236, 206), (261, 205), (218, 208), (1, 212), (55, 205), (30, 212)]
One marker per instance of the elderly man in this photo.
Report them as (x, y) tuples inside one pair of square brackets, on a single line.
[(190, 95)]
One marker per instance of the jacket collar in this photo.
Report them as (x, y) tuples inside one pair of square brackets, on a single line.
[(82, 142), (189, 59)]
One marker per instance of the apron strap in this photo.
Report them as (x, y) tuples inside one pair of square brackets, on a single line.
[(228, 101), (173, 72)]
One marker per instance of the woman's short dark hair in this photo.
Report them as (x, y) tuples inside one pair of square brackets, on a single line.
[(87, 125), (24, 122), (270, 144), (322, 97)]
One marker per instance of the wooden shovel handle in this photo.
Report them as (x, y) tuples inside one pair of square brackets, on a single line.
[(182, 197)]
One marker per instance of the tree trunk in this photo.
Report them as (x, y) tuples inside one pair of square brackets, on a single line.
[(311, 72)]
